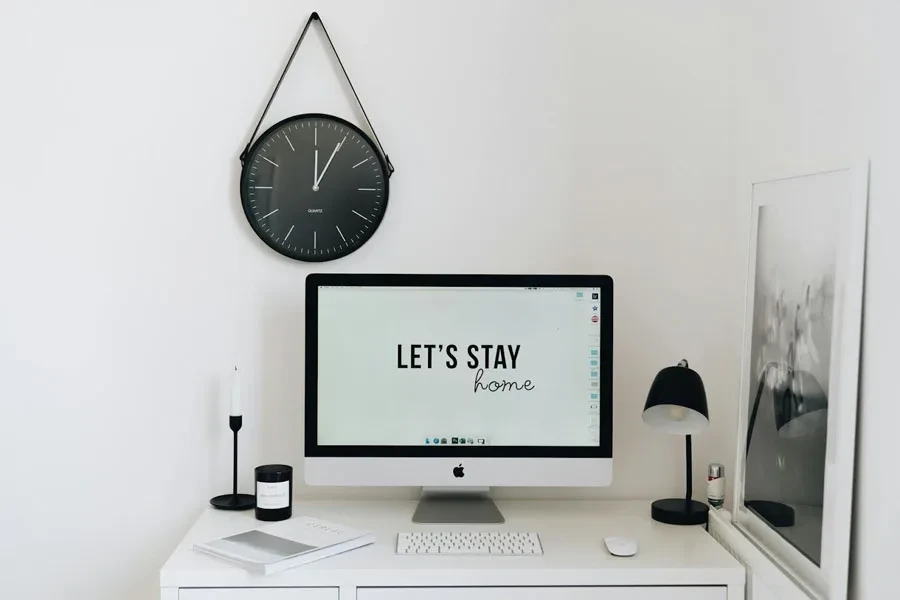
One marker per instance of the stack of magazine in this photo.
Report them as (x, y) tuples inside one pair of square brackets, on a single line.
[(286, 544)]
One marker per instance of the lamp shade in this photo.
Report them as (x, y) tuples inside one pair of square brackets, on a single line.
[(800, 405), (676, 402)]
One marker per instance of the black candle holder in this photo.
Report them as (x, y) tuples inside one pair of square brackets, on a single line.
[(234, 501)]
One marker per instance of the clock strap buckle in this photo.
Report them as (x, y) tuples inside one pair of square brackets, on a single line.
[(315, 17)]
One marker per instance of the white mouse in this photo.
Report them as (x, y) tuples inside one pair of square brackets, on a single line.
[(621, 546)]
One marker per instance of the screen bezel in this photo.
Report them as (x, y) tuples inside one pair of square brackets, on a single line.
[(316, 280)]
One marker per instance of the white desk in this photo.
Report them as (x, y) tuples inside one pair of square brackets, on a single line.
[(673, 563)]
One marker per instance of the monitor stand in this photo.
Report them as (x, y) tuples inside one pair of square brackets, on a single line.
[(456, 505)]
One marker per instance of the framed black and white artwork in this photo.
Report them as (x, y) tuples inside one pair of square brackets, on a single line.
[(794, 476)]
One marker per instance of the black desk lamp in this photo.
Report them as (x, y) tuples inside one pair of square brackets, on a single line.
[(676, 404), (800, 408)]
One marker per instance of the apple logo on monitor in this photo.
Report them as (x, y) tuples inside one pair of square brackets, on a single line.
[(458, 471)]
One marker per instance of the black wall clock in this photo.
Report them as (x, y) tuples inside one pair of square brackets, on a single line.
[(314, 187)]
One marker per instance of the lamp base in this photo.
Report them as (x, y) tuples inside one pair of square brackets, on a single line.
[(679, 511), (776, 513), (234, 502)]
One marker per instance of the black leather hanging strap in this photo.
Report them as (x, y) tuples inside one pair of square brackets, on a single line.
[(315, 17)]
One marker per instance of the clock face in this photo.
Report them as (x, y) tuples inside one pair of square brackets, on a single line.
[(314, 187)]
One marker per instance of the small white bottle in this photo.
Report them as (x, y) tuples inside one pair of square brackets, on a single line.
[(715, 485)]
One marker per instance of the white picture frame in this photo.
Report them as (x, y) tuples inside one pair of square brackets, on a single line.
[(844, 190)]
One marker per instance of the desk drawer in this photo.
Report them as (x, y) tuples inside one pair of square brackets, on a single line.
[(260, 593), (545, 593)]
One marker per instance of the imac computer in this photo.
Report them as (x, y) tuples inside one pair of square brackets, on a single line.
[(457, 383)]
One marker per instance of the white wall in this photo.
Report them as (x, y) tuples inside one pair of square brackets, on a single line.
[(528, 136), (816, 86)]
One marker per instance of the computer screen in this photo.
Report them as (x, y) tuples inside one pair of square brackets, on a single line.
[(486, 366), (460, 366)]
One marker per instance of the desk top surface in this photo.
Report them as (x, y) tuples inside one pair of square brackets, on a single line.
[(571, 533)]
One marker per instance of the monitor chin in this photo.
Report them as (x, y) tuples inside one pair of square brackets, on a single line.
[(458, 472)]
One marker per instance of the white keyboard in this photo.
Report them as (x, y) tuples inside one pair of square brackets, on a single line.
[(494, 543)]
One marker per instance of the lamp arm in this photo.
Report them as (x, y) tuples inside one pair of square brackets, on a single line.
[(759, 390), (688, 460)]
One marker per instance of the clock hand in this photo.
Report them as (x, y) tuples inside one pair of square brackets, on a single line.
[(336, 148), (316, 173)]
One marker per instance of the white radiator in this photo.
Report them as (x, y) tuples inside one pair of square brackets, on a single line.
[(765, 581)]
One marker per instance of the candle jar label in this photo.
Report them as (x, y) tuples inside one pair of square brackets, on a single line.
[(273, 495)]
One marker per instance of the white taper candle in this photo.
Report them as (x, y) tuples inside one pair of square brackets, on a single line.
[(236, 394)]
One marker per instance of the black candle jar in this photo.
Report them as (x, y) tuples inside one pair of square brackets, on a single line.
[(274, 492)]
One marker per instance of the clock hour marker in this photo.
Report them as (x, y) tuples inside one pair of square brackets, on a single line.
[(262, 187), (355, 213), (341, 233), (275, 211), (289, 142), (289, 233), (359, 163), (367, 189), (269, 161), (314, 240), (316, 136)]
